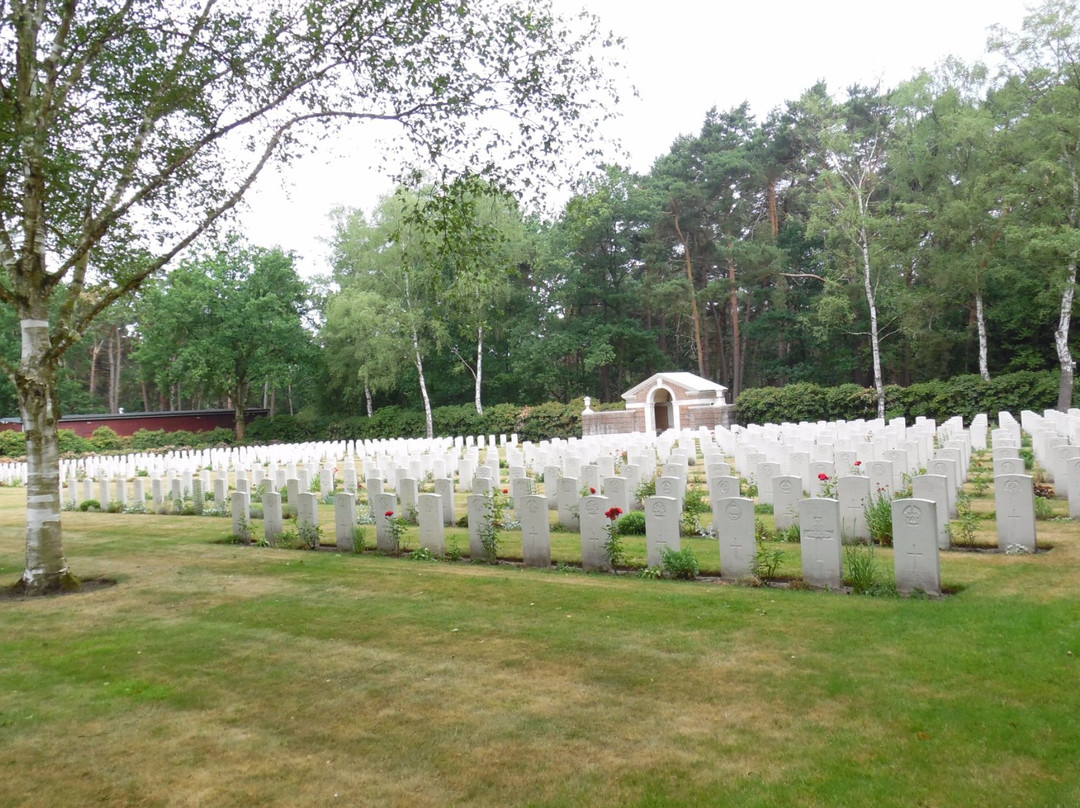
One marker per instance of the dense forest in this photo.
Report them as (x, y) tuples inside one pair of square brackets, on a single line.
[(873, 235)]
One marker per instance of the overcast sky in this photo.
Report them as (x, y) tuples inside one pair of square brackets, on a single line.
[(684, 57)]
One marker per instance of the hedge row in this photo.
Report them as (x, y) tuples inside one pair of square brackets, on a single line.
[(551, 420), (104, 440), (542, 422), (966, 396)]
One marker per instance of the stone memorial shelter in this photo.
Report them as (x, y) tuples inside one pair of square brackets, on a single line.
[(664, 401)]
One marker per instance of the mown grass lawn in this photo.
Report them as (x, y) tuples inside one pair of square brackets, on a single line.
[(221, 675)]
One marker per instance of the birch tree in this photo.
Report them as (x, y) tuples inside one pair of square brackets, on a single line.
[(850, 189), (132, 127), (1040, 99)]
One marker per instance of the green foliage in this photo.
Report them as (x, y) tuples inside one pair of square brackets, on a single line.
[(790, 534), (144, 439), (105, 439), (453, 549), (861, 563), (495, 505), (310, 535), (632, 523), (1043, 508), (695, 503), (613, 546), (72, 443), (767, 562), (551, 420), (966, 396), (680, 564), (748, 487), (89, 505), (1028, 456), (878, 512), (12, 443), (646, 488), (962, 529)]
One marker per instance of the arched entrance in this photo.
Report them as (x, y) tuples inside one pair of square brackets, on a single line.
[(661, 411)]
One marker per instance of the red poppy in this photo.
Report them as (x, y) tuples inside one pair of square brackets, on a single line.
[(823, 476), (506, 490), (592, 490), (388, 514)]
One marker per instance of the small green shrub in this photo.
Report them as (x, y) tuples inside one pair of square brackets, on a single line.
[(89, 505), (680, 564), (1043, 508), (632, 523), (878, 512), (767, 562), (962, 529), (105, 439), (453, 549), (646, 488), (862, 568), (71, 443), (12, 443), (790, 534), (1028, 456), (144, 439)]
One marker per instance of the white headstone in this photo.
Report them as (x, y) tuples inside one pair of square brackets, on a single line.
[(733, 518), (820, 540), (569, 508), (935, 487), (444, 487), (535, 531), (853, 495), (915, 546), (383, 504), (241, 515), (594, 533), (662, 518), (273, 525), (1014, 496), (787, 493), (429, 514), (345, 521)]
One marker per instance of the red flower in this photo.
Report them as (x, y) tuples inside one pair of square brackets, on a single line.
[(823, 476), (613, 513), (506, 490), (858, 462), (592, 490), (388, 514)]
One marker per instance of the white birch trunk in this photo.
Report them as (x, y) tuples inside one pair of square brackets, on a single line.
[(1061, 339), (1061, 333), (478, 375), (875, 345), (419, 361), (46, 567), (980, 325)]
